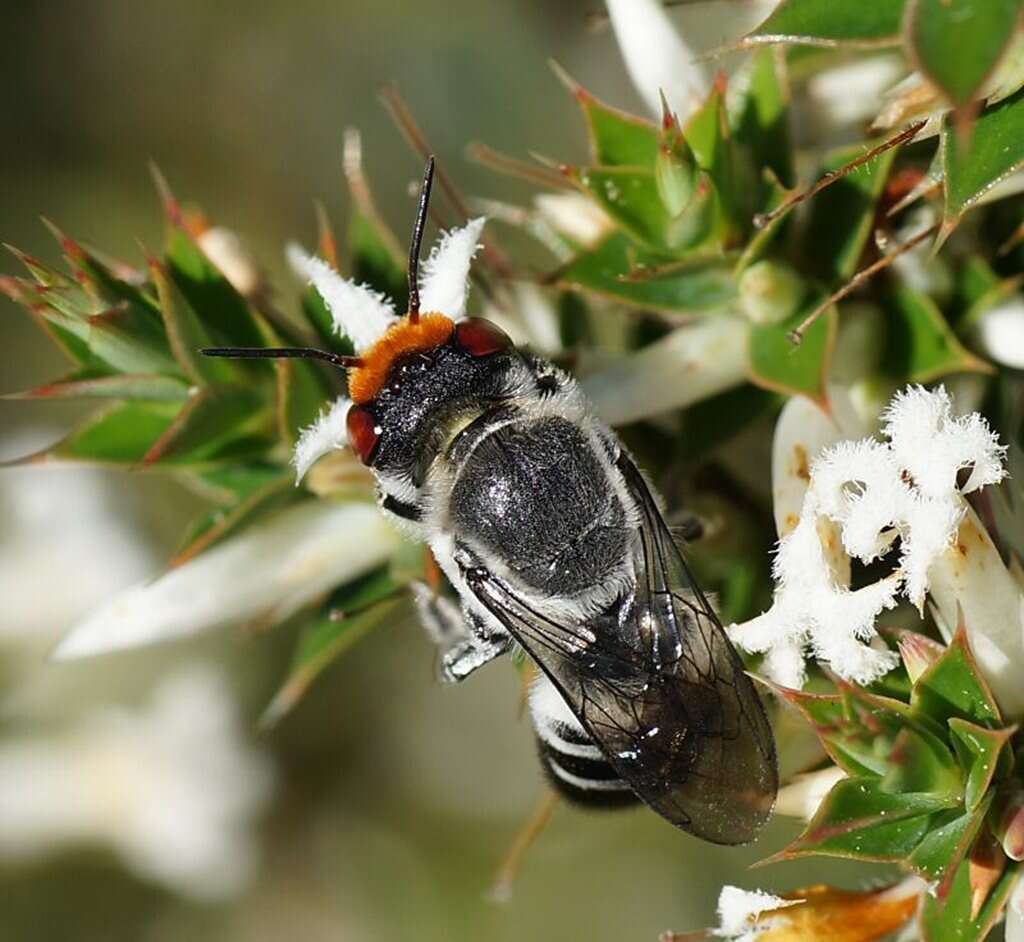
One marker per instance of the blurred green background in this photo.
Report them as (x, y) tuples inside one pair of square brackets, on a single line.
[(395, 798)]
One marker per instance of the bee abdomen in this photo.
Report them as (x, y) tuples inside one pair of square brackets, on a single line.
[(584, 781), (573, 764)]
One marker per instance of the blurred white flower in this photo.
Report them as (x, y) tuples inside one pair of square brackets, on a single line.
[(574, 216), (656, 56), (65, 544), (1015, 914), (171, 788), (278, 565), (851, 93), (228, 252), (912, 488), (999, 333), (685, 366)]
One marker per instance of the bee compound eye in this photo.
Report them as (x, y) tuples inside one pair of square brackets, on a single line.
[(480, 338), (363, 432)]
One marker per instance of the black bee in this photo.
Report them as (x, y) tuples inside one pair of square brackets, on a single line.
[(555, 544)]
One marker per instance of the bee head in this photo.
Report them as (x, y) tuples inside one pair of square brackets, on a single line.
[(425, 375), (419, 381)]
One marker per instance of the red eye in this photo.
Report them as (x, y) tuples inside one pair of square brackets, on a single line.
[(363, 432), (480, 338)]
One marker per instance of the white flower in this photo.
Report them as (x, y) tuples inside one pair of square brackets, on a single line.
[(359, 312), (574, 216), (1000, 333), (171, 788), (327, 433), (446, 271), (225, 249), (822, 913), (873, 492), (1015, 914), (277, 566), (850, 94), (65, 544), (686, 366), (739, 912), (803, 794), (656, 57)]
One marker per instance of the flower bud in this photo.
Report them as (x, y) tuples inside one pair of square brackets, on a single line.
[(1010, 829), (770, 291), (694, 223), (676, 173), (918, 652), (225, 249), (986, 864)]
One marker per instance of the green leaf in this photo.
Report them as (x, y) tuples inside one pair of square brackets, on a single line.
[(994, 151), (764, 237), (708, 135), (979, 750), (842, 216), (920, 762), (608, 270), (975, 280), (857, 735), (859, 819), (776, 363), (631, 198), (945, 846), (120, 435), (301, 395), (230, 484), (213, 526), (920, 346), (954, 687), (997, 294), (86, 384), (837, 22), (956, 44), (130, 341), (219, 307), (350, 614), (207, 421), (108, 289), (617, 139), (762, 123), (950, 920), (186, 334)]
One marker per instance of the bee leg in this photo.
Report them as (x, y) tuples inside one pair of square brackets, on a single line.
[(464, 638)]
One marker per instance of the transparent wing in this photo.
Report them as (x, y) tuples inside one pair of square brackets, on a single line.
[(658, 686)]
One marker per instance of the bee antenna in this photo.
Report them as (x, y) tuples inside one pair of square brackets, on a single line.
[(275, 353), (417, 239)]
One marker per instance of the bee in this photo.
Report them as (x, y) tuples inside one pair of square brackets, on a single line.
[(556, 546)]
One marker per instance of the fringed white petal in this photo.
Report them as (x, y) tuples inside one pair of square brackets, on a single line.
[(444, 285), (870, 493), (359, 313), (656, 57), (738, 910), (328, 433), (278, 565)]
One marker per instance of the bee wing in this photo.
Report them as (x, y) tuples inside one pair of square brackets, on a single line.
[(659, 688)]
